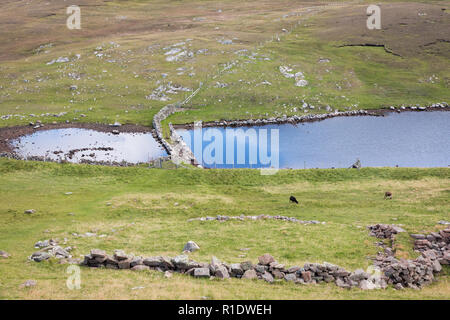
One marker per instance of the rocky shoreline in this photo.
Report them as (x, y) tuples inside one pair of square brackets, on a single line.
[(313, 117)]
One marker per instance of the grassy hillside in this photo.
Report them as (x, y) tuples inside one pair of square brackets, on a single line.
[(141, 215), (127, 50)]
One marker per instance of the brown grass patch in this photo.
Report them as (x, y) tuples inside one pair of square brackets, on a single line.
[(406, 28)]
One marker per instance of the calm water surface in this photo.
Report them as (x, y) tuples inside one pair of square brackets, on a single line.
[(407, 139), (88, 144)]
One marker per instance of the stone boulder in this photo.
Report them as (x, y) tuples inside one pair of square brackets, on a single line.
[(4, 254), (250, 274), (190, 246), (201, 273), (140, 267), (266, 259)]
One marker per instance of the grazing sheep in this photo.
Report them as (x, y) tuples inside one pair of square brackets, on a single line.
[(292, 199), (387, 195)]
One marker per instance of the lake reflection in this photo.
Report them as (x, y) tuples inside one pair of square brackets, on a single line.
[(74, 144), (407, 139)]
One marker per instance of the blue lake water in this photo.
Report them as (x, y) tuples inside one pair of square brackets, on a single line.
[(74, 144), (407, 139)]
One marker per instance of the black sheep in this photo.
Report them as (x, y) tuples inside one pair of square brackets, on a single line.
[(292, 198)]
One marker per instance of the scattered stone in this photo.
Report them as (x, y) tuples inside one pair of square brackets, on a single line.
[(30, 211), (40, 256), (168, 274), (254, 218), (28, 284), (191, 246)]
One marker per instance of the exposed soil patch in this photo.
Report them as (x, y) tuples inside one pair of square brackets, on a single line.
[(406, 28)]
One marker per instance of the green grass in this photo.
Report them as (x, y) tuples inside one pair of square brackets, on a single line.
[(142, 210)]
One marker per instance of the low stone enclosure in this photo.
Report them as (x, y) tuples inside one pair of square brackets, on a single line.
[(386, 270), (254, 218)]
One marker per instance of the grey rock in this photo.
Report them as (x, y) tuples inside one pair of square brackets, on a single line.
[(358, 275), (341, 283), (398, 286), (222, 272), (4, 254), (153, 262), (201, 273), (191, 246), (181, 261), (260, 268), (366, 285), (140, 267), (124, 264), (136, 261), (290, 277), (293, 269), (267, 277), (306, 276), (168, 274), (236, 269), (40, 256), (120, 255), (166, 263), (437, 266), (28, 284), (265, 259), (278, 274), (250, 274), (98, 253), (247, 265), (30, 211)]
